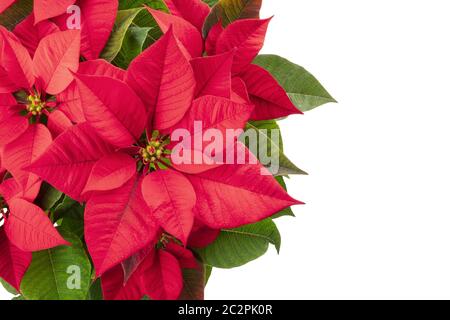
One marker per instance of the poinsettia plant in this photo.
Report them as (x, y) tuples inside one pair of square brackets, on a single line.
[(127, 164)]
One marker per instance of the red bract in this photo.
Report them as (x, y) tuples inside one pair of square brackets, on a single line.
[(30, 34), (43, 9), (164, 79), (246, 37), (185, 32), (97, 20), (26, 229), (193, 11), (119, 161), (14, 262), (5, 4), (213, 75), (156, 274), (69, 100)]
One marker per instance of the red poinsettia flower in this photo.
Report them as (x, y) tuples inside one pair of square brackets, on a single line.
[(96, 22), (131, 187), (156, 273), (27, 97), (250, 82), (26, 228)]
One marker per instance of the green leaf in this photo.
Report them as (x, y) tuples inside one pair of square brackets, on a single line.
[(208, 272), (268, 149), (53, 272), (16, 13), (8, 287), (124, 20), (236, 247), (193, 284), (285, 212), (133, 43), (132, 46), (18, 298), (48, 197), (95, 291), (72, 215), (228, 11), (302, 87), (130, 4), (211, 3)]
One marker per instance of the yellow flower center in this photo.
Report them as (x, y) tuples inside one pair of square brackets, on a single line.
[(152, 152), (155, 153), (35, 105)]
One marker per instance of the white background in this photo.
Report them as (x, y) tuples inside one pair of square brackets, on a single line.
[(377, 220)]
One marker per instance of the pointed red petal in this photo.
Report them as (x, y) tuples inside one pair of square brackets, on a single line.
[(97, 18), (132, 264), (269, 98), (236, 194), (202, 236), (58, 122), (162, 277), (113, 286), (112, 283), (68, 161), (247, 36), (46, 9), (29, 228), (215, 113), (56, 57), (7, 85), (30, 34), (171, 199), (69, 100), (194, 11), (5, 4), (103, 100), (184, 256), (10, 189), (14, 262), (12, 125), (213, 36), (164, 79), (21, 152), (213, 75), (7, 100), (100, 67), (117, 225), (207, 112), (239, 91), (188, 35), (111, 172), (16, 60)]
